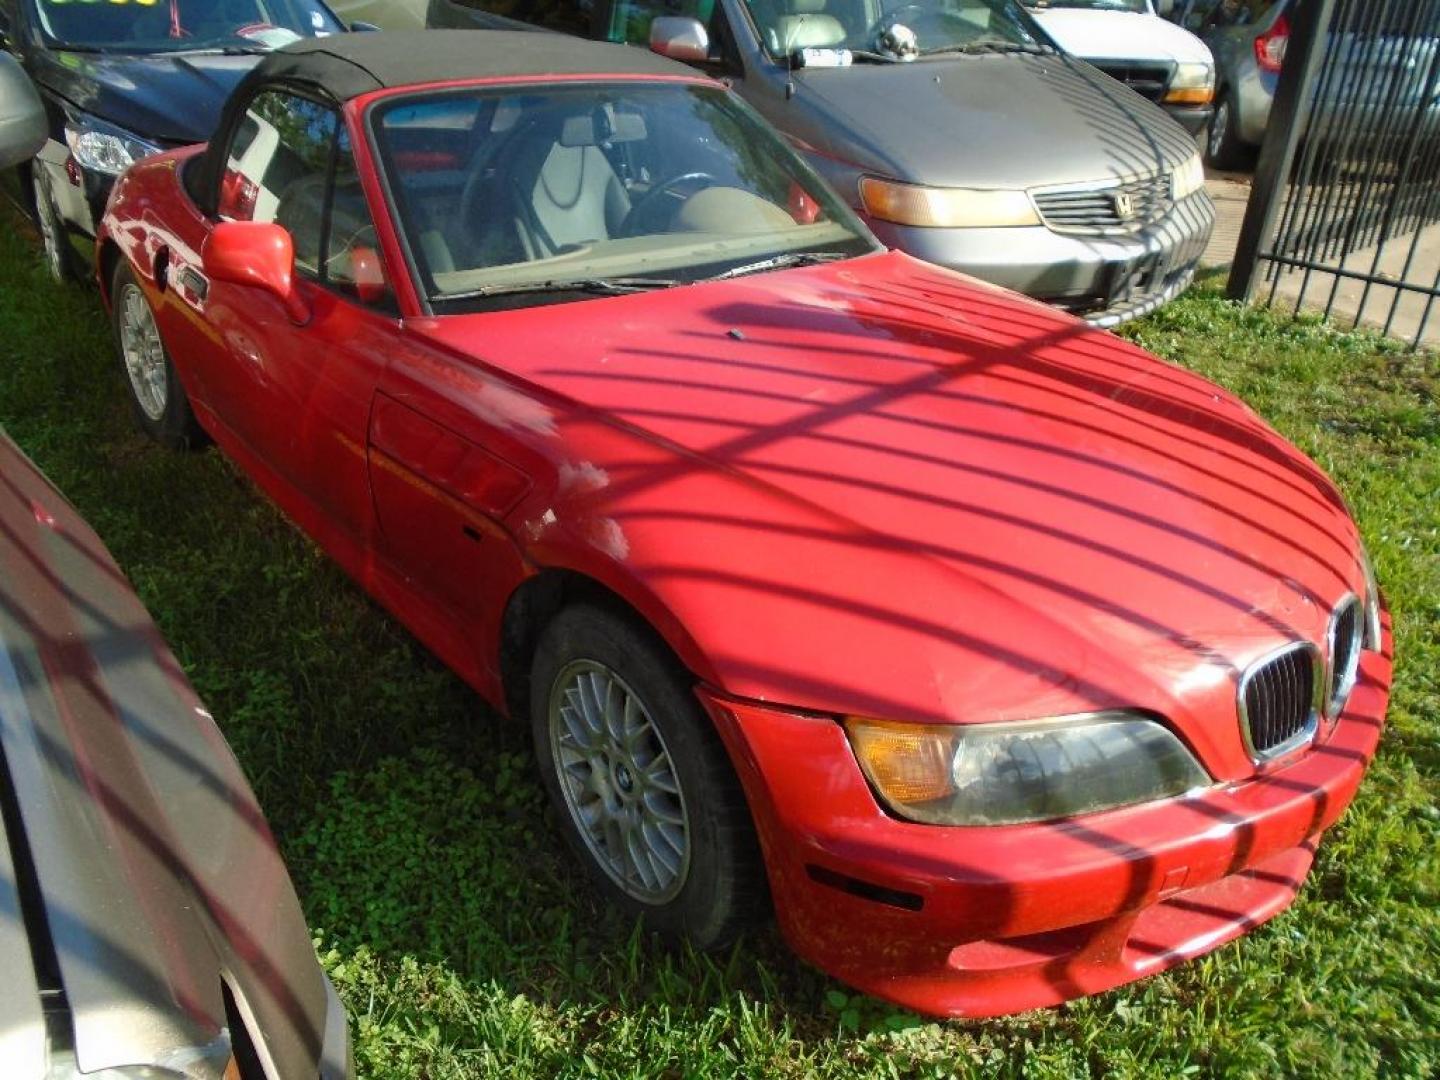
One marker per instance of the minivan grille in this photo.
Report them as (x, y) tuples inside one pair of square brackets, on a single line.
[(1277, 701), (1147, 80), (1344, 643), (1109, 207)]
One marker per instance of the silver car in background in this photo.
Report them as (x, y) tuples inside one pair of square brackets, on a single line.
[(148, 928), (956, 128), (1383, 70)]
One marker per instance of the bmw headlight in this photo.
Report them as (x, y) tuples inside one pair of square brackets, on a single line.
[(1006, 774), (1192, 84), (102, 147), (1188, 178), (945, 208)]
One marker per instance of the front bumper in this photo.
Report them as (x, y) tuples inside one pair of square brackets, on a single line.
[(987, 921), (1193, 118), (1105, 279)]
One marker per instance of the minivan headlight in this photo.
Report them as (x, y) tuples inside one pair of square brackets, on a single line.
[(1010, 773), (945, 208), (102, 147), (1188, 178), (1192, 84)]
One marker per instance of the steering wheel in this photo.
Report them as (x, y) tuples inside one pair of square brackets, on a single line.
[(649, 200), (475, 207)]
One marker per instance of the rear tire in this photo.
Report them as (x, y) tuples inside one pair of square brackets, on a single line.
[(60, 258), (642, 785), (1223, 147), (158, 401)]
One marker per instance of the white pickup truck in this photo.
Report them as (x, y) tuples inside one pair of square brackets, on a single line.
[(1129, 40)]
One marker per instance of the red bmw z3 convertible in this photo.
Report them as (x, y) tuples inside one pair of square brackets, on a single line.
[(1006, 661)]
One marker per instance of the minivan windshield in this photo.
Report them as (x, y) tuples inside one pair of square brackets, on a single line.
[(151, 26), (868, 28), (598, 189)]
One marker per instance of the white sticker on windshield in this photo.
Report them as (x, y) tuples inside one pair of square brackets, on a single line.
[(826, 58), (317, 20)]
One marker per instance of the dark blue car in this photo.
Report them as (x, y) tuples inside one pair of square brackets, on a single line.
[(123, 80)]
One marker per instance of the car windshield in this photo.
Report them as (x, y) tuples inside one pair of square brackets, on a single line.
[(591, 189), (1139, 7), (147, 26), (893, 29)]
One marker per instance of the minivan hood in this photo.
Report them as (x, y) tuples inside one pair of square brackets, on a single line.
[(1121, 35), (988, 120), (174, 100)]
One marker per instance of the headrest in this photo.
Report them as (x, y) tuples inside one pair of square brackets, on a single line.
[(793, 32)]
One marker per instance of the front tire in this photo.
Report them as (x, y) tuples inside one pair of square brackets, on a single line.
[(158, 401), (642, 785), (60, 258)]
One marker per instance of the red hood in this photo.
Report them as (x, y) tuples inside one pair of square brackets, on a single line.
[(881, 487)]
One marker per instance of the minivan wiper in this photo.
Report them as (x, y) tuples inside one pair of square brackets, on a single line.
[(609, 286), (973, 48), (778, 262)]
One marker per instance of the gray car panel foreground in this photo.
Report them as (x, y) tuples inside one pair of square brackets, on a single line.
[(161, 886), (22, 1019)]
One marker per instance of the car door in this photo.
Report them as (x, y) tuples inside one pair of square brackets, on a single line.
[(296, 397)]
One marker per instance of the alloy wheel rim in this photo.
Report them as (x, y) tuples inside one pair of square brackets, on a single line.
[(143, 353), (1218, 126), (619, 782)]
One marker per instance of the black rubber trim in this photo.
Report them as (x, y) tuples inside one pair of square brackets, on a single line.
[(880, 894)]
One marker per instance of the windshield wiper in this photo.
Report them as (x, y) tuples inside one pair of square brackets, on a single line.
[(973, 48), (778, 262), (609, 286)]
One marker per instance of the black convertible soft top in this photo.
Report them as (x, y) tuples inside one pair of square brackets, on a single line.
[(347, 65), (344, 66)]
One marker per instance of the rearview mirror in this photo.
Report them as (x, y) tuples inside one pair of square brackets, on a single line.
[(22, 117), (258, 254), (368, 274), (680, 38)]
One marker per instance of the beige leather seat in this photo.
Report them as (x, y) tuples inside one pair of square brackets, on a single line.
[(806, 27), (564, 196)]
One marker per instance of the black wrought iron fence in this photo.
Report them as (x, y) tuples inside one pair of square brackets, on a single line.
[(1344, 215)]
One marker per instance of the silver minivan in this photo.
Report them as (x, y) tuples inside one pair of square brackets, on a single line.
[(956, 128)]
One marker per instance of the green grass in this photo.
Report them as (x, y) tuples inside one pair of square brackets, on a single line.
[(462, 938)]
